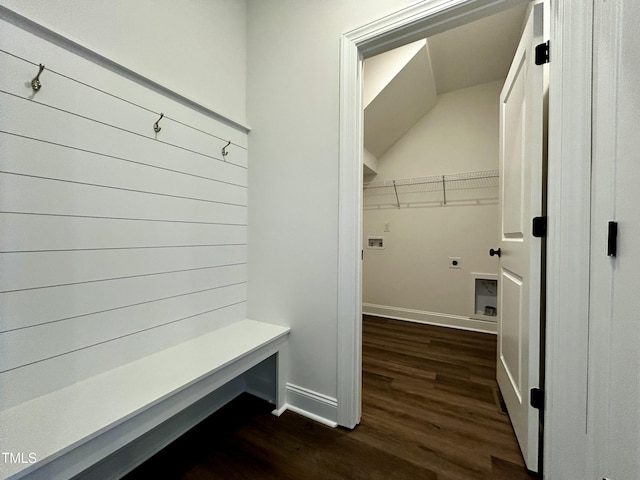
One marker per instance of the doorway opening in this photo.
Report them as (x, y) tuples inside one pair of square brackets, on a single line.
[(431, 150), (468, 11), (430, 206)]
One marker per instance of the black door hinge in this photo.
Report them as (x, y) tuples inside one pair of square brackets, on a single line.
[(542, 53), (537, 398), (612, 239), (539, 227)]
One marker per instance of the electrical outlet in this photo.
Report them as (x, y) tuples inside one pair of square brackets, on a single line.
[(454, 262), (387, 227)]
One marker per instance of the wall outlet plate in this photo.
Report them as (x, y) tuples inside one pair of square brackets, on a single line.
[(455, 262)]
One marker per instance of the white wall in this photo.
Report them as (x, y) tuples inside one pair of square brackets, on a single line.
[(196, 47), (293, 87), (412, 273), (116, 241), (459, 134)]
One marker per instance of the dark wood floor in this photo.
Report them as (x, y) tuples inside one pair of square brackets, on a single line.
[(431, 410)]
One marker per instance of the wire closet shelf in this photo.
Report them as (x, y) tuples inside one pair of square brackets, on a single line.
[(468, 188)]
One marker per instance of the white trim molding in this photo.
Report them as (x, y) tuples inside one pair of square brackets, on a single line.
[(607, 44), (569, 239), (312, 405), (349, 236), (431, 318)]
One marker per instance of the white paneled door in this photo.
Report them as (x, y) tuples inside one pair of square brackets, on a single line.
[(521, 199)]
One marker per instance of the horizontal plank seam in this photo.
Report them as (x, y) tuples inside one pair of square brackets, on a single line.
[(111, 187), (101, 249), (123, 336), (114, 157), (121, 278), (84, 117), (49, 70), (122, 307), (102, 217)]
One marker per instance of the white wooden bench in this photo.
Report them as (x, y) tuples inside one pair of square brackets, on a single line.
[(143, 405)]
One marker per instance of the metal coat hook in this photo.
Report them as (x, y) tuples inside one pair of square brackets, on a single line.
[(35, 83), (224, 151), (156, 127)]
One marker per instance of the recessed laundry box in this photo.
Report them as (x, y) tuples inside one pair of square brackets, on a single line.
[(485, 296), (375, 242)]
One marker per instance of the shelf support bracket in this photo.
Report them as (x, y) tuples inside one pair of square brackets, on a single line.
[(444, 190), (395, 189)]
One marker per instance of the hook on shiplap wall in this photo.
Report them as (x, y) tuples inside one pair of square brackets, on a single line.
[(35, 83), (156, 127), (224, 151)]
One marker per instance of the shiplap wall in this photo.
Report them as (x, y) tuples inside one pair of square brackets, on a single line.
[(115, 241)]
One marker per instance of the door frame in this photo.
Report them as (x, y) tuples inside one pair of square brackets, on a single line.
[(568, 203)]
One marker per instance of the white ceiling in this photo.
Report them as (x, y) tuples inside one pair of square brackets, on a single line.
[(472, 54), (475, 53)]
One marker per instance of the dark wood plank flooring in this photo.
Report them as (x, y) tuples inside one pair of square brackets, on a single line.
[(431, 410)]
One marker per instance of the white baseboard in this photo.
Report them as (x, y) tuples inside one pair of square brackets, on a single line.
[(279, 411), (430, 318), (313, 405)]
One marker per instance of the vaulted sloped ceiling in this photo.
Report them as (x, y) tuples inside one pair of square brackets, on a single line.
[(400, 104), (475, 53)]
